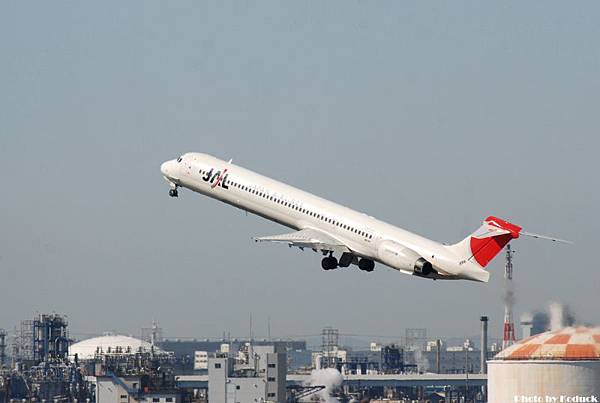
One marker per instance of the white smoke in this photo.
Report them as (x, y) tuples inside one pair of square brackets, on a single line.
[(560, 316), (509, 296), (556, 316), (330, 378), (526, 317), (421, 361)]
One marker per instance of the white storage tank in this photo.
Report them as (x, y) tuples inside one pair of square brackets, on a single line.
[(562, 365), (111, 345)]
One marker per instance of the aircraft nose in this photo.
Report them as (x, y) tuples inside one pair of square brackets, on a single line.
[(165, 168)]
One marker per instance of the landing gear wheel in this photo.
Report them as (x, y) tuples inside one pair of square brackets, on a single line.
[(173, 192), (329, 263), (346, 259), (366, 265)]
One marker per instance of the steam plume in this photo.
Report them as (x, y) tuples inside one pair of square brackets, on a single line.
[(330, 378)]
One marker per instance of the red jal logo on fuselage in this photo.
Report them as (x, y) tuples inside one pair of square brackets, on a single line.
[(216, 178)]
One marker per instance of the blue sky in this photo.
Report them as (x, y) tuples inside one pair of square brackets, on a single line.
[(429, 115)]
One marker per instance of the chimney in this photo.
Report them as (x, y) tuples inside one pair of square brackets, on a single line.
[(484, 345)]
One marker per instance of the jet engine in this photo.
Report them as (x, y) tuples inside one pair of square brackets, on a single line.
[(404, 259)]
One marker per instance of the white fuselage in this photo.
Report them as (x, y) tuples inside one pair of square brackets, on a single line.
[(298, 209)]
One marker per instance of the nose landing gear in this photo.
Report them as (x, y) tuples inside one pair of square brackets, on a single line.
[(173, 191)]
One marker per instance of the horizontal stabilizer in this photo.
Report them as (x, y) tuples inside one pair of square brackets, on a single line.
[(549, 238)]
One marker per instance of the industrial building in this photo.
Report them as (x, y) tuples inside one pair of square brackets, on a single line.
[(44, 364), (556, 363), (186, 348), (381, 359), (131, 388), (260, 377), (40, 369)]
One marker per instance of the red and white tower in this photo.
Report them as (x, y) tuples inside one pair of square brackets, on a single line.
[(508, 337)]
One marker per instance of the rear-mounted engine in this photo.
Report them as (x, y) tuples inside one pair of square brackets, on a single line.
[(404, 259)]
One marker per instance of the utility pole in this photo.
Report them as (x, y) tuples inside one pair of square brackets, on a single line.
[(466, 373)]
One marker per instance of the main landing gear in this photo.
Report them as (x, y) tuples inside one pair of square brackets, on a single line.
[(330, 262), (366, 265)]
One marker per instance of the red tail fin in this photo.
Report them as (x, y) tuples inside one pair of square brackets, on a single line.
[(490, 238), (485, 243)]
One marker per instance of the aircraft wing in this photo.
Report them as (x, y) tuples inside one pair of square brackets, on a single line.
[(307, 238)]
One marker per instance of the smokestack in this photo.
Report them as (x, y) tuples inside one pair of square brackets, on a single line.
[(484, 343)]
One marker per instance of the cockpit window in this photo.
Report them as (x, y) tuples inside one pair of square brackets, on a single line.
[(179, 159)]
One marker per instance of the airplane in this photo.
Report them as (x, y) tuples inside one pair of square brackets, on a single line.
[(329, 228)]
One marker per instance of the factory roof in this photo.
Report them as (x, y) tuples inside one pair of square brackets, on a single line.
[(568, 344), (111, 344)]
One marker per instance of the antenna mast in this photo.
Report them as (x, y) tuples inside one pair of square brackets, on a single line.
[(509, 299)]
